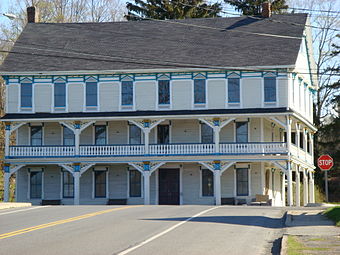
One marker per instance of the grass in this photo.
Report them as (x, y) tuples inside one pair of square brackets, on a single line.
[(317, 239), (334, 214), (297, 248)]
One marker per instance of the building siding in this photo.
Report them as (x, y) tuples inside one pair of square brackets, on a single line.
[(12, 98), (75, 97), (182, 95), (145, 95), (251, 92), (216, 94), (42, 97)]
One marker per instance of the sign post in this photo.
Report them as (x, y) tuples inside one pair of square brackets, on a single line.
[(325, 163)]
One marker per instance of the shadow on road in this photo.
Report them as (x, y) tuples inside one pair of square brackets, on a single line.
[(258, 221)]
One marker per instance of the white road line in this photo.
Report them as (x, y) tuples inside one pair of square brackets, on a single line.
[(31, 208), (164, 232)]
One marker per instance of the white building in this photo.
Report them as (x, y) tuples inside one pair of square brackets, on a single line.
[(197, 111)]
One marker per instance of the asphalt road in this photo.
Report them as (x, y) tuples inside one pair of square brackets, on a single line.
[(141, 230)]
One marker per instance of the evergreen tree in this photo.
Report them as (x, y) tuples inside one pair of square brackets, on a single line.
[(171, 9), (254, 7)]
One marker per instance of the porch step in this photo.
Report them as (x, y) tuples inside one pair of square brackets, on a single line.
[(120, 201), (51, 202)]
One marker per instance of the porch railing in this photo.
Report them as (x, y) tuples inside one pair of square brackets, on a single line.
[(253, 148), (154, 150), (182, 149), (41, 151), (111, 150)]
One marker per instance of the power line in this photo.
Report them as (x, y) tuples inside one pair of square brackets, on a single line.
[(161, 63), (314, 10)]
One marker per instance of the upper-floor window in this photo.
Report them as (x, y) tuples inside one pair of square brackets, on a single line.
[(91, 94), (163, 134), (36, 135), (26, 92), (270, 89), (100, 134), (163, 92), (59, 94), (241, 132), (207, 134), (127, 92), (68, 136), (233, 90), (135, 135), (199, 91)]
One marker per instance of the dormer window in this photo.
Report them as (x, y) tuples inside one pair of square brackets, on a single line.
[(127, 93), (199, 91), (59, 94), (91, 94), (26, 92), (234, 90), (270, 89)]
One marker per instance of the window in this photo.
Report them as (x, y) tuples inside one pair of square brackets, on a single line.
[(26, 94), (163, 92), (242, 181), (68, 136), (163, 134), (100, 183), (35, 184), (207, 183), (270, 89), (127, 93), (135, 180), (91, 94), (135, 135), (233, 90), (68, 185), (241, 132), (207, 134), (199, 91), (301, 140), (100, 135), (60, 94), (36, 136)]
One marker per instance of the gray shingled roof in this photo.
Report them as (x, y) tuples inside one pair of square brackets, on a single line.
[(157, 44)]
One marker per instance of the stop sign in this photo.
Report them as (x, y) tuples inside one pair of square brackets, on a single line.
[(325, 162)]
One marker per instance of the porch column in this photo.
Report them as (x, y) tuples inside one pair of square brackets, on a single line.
[(305, 187), (290, 184), (297, 140), (283, 188), (7, 138), (77, 138), (297, 186), (311, 140), (311, 187), (7, 177), (146, 179), (305, 142), (217, 183), (289, 170), (76, 176)]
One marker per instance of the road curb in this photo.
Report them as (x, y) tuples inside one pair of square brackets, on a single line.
[(284, 245), (5, 205), (288, 221)]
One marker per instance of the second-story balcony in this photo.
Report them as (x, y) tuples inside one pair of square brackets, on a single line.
[(185, 149)]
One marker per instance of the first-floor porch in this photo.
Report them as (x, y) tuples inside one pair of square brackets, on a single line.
[(159, 182)]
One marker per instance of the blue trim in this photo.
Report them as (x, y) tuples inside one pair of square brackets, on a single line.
[(7, 169), (76, 168), (146, 167), (8, 127), (153, 155)]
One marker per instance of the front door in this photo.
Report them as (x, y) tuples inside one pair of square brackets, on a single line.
[(168, 186)]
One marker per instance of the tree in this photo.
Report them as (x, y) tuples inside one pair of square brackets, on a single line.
[(171, 9), (254, 7)]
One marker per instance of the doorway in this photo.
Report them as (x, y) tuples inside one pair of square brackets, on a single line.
[(169, 187)]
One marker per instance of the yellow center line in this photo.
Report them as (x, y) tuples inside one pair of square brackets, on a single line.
[(58, 222)]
